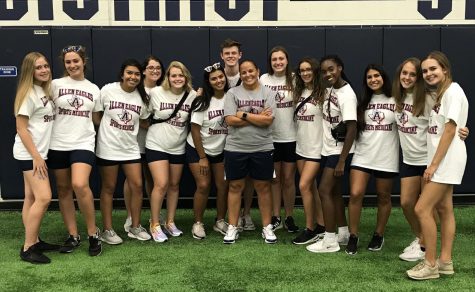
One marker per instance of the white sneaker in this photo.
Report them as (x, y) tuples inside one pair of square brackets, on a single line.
[(248, 225), (139, 233), (157, 233), (110, 237), (128, 224), (220, 226), (423, 271), (413, 255), (240, 224), (324, 246), (343, 237), (171, 229), (198, 231), (268, 234), (414, 243), (231, 235)]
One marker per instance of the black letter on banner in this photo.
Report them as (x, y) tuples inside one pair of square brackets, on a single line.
[(121, 10), (45, 9), (470, 9), (443, 9), (172, 9), (197, 10), (152, 10), (270, 10), (91, 7), (222, 8), (20, 8)]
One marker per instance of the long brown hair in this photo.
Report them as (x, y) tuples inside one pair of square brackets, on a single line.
[(318, 90), (443, 61), (288, 68), (418, 91)]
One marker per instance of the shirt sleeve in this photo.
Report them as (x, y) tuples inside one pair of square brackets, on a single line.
[(452, 101), (27, 108), (348, 106), (230, 105), (198, 117)]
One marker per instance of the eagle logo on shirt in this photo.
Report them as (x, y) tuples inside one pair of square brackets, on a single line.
[(279, 97), (376, 116), (403, 118), (125, 117), (44, 100), (76, 102)]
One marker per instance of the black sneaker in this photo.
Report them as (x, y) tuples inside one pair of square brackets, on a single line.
[(290, 225), (34, 256), (44, 246), (70, 244), (376, 242), (352, 246), (305, 237), (95, 245), (276, 223)]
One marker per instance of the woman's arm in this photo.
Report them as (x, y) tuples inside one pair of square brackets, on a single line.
[(39, 165), (444, 143), (96, 118), (463, 133), (236, 122), (196, 135), (261, 120), (349, 139)]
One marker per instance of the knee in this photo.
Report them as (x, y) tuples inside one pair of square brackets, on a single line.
[(136, 187), (356, 196), (174, 188), (43, 200), (80, 188), (407, 205), (305, 186), (384, 199), (202, 187), (422, 211), (236, 188), (63, 190)]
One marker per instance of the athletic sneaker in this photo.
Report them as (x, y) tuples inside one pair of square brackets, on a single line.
[(376, 242), (289, 224), (414, 243), (247, 223), (268, 234), (127, 224), (95, 244), (198, 231), (139, 233), (70, 244), (157, 233), (220, 226), (423, 271), (44, 246), (413, 255), (34, 255), (240, 224), (172, 230), (327, 244), (276, 223), (352, 247), (231, 235), (305, 237), (342, 238), (110, 237), (445, 268)]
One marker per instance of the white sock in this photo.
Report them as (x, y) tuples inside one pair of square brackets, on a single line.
[(343, 230), (330, 235)]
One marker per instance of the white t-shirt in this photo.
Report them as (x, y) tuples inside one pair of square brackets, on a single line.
[(412, 133), (283, 127), (143, 132), (377, 147), (40, 112), (309, 128), (168, 136), (117, 135), (74, 103), (213, 127), (454, 106), (233, 80), (342, 105)]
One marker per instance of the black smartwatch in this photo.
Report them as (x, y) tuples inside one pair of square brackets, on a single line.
[(244, 116)]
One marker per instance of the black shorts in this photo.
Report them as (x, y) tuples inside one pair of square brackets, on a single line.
[(64, 159), (332, 160), (153, 155), (25, 165), (376, 173), (192, 156), (106, 162), (143, 158), (299, 157), (284, 151), (407, 170), (258, 165)]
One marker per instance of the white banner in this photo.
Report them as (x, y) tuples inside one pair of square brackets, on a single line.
[(234, 12)]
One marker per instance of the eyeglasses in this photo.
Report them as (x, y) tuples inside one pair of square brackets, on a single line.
[(151, 68), (72, 49), (210, 68)]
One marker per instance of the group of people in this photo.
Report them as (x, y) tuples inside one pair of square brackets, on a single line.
[(245, 132)]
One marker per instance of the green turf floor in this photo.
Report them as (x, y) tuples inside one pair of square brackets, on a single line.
[(186, 264)]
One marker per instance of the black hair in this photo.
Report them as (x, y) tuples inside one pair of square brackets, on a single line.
[(140, 87), (201, 103), (339, 62)]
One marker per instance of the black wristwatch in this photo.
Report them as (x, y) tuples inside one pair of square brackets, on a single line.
[(244, 116)]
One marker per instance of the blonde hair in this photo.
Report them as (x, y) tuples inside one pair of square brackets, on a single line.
[(443, 61), (176, 64), (27, 78)]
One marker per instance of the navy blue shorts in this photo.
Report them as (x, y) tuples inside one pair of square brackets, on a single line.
[(407, 170), (258, 165), (153, 155), (284, 151), (299, 157), (376, 173), (192, 156), (332, 160), (25, 165), (143, 158), (106, 162), (64, 159)]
